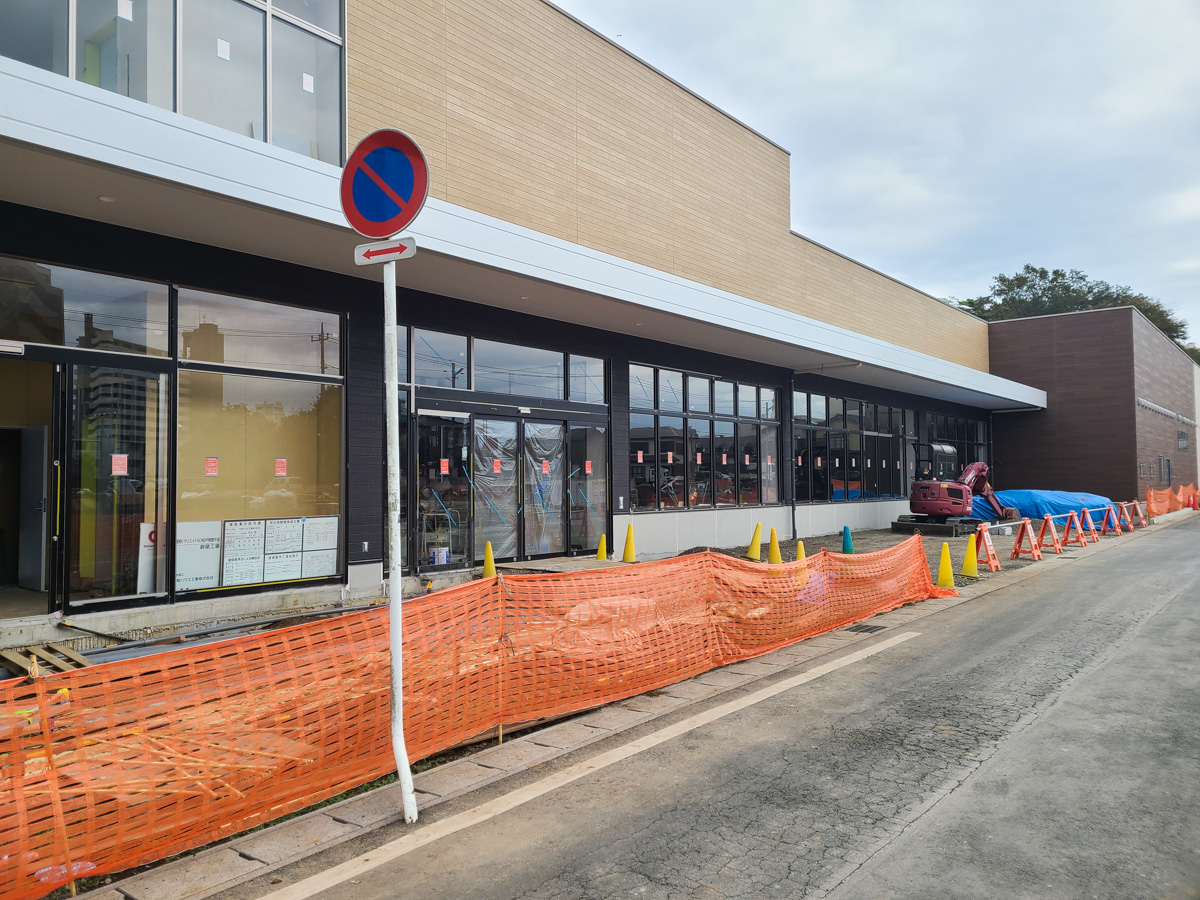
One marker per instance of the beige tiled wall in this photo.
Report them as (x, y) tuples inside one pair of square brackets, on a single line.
[(527, 116)]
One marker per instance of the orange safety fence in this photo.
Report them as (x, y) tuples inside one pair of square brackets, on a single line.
[(1159, 503), (116, 765)]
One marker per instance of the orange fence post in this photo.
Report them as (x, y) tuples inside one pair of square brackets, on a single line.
[(1110, 514), (1141, 516), (1048, 528), (986, 549), (1092, 534), (1073, 524), (1024, 532), (1126, 518)]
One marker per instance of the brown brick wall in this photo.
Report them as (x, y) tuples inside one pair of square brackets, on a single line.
[(1164, 375), (528, 116), (1085, 438)]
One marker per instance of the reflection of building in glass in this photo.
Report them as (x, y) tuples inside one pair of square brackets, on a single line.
[(31, 307)]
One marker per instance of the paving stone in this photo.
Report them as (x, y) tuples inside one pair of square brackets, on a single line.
[(566, 737), (380, 805), (193, 877), (277, 844), (454, 778), (614, 717), (691, 690), (102, 894), (655, 705), (754, 667), (516, 755), (722, 678)]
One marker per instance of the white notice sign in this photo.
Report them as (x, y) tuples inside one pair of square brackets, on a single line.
[(197, 555), (242, 559), (285, 536), (319, 563), (282, 567), (321, 533)]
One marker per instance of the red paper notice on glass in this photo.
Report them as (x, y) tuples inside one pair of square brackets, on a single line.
[(496, 466), (545, 467), (724, 459), (670, 457), (747, 459), (120, 463), (280, 466), (818, 462), (639, 453), (587, 467), (697, 459), (445, 467), (210, 466), (768, 460)]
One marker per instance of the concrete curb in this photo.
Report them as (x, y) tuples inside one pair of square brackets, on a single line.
[(226, 865)]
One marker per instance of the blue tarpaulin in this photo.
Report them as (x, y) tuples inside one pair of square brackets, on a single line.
[(1036, 504)]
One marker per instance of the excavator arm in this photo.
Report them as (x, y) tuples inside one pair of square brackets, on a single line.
[(975, 476)]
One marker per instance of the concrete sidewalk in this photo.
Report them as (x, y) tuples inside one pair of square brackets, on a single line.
[(221, 867)]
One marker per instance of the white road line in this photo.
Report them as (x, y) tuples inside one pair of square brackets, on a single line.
[(427, 835)]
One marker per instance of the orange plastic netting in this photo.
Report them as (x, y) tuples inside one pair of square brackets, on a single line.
[(108, 767), (1159, 503)]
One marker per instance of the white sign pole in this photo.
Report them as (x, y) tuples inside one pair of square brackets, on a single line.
[(391, 394)]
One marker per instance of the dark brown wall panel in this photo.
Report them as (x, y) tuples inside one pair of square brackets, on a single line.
[(1163, 375)]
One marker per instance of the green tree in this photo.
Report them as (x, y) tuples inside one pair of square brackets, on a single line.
[(1043, 292)]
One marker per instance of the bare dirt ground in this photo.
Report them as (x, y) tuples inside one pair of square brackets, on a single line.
[(881, 539)]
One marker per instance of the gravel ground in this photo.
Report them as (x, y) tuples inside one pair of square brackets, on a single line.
[(881, 539)]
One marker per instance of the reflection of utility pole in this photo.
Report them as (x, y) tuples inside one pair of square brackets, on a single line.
[(455, 371), (321, 338)]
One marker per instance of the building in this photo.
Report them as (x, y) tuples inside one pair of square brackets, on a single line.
[(609, 319), (1122, 405)]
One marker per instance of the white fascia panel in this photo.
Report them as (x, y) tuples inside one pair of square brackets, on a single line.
[(69, 117)]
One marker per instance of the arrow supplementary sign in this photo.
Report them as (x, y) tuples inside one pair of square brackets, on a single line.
[(385, 251)]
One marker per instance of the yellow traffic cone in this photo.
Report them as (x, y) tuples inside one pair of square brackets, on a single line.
[(773, 556), (945, 569), (489, 561), (755, 551), (971, 563), (799, 551), (602, 552), (630, 554)]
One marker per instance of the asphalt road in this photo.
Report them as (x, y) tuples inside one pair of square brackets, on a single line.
[(1041, 741)]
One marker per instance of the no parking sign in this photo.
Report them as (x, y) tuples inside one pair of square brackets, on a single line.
[(384, 184)]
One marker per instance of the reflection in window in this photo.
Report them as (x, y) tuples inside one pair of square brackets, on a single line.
[(643, 474), (800, 407), (35, 33), (725, 463), (223, 66), (641, 387), (587, 379), (770, 464), (326, 14), (747, 401), (439, 359), (63, 307), (768, 403), (670, 390), (306, 91), (131, 53), (671, 449), (698, 391), (803, 464), (700, 463), (819, 457), (218, 328), (817, 413), (513, 369), (723, 398), (748, 463)]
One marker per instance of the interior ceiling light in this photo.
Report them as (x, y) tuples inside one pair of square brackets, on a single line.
[(104, 198)]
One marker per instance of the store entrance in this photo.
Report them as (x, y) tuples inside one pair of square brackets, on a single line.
[(26, 498)]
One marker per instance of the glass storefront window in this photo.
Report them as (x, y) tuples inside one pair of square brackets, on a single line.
[(770, 464), (700, 462), (671, 463), (223, 65), (588, 485), (587, 379), (128, 47), (817, 410), (643, 474), (42, 304), (439, 359), (259, 463), (837, 413), (803, 464), (723, 398), (853, 415), (35, 33), (325, 14), (641, 387), (670, 390), (747, 401), (513, 369), (819, 456), (768, 403), (217, 328), (698, 394), (748, 464), (724, 463), (854, 466), (306, 93), (800, 407)]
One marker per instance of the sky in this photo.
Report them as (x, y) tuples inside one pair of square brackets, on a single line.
[(947, 141)]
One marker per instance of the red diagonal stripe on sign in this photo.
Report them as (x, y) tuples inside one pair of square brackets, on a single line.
[(383, 186)]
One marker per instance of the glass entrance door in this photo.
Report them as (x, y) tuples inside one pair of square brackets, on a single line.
[(496, 464), (443, 526), (587, 486), (545, 525), (116, 484)]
